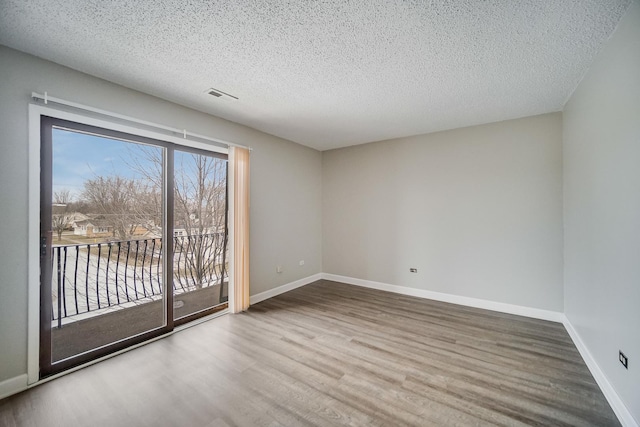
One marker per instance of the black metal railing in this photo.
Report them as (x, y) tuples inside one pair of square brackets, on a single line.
[(90, 277)]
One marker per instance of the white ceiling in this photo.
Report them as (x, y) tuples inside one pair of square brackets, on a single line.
[(329, 73)]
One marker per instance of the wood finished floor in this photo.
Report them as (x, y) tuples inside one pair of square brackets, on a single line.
[(333, 354)]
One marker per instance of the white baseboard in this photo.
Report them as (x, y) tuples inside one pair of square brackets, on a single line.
[(618, 406), (254, 299), (536, 313), (13, 385)]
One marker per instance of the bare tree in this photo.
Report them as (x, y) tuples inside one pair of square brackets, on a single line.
[(200, 185), (124, 203), (199, 201), (60, 218)]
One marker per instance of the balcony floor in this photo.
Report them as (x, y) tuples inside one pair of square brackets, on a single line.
[(87, 334)]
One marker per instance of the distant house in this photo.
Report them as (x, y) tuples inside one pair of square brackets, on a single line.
[(75, 217), (145, 230), (92, 227), (184, 232)]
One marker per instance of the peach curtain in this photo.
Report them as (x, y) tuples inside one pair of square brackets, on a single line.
[(239, 186)]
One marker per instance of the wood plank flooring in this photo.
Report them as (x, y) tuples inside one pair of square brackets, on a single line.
[(333, 354)]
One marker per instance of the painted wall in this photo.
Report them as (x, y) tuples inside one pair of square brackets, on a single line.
[(285, 178), (602, 209), (478, 211)]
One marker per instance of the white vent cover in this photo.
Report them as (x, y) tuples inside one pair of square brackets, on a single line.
[(220, 94)]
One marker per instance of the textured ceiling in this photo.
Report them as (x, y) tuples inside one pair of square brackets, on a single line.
[(328, 73)]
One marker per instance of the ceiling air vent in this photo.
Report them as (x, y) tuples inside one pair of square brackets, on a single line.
[(220, 94)]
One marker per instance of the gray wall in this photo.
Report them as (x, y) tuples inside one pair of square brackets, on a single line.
[(602, 209), (478, 211), (285, 178)]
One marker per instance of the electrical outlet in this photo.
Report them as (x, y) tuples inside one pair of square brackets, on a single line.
[(413, 270), (623, 359), (301, 262)]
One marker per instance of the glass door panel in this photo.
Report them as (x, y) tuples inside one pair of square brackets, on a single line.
[(102, 223), (200, 254)]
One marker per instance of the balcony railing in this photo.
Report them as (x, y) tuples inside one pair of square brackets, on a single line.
[(92, 278)]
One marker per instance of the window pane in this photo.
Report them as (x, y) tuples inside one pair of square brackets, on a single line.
[(106, 224), (200, 233)]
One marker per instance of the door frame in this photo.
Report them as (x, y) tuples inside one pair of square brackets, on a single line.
[(34, 192)]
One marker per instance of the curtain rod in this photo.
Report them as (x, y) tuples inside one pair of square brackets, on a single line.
[(183, 132)]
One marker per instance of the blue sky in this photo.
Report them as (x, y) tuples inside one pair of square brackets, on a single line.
[(77, 157)]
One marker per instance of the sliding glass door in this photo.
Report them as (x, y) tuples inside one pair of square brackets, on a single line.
[(133, 239)]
